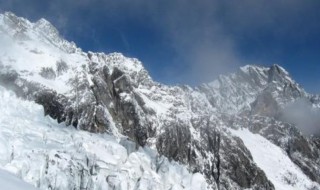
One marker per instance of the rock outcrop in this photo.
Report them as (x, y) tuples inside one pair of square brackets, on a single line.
[(109, 93)]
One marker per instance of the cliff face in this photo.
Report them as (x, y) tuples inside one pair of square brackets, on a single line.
[(113, 94)]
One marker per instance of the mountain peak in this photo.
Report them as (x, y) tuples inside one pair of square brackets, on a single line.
[(46, 27), (21, 29), (12, 22), (110, 93), (9, 14), (277, 73), (274, 73), (248, 68)]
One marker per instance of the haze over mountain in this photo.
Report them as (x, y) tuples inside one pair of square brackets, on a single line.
[(72, 119), (181, 42)]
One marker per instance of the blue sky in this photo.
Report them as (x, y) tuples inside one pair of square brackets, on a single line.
[(190, 42)]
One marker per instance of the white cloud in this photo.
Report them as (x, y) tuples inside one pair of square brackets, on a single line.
[(304, 116)]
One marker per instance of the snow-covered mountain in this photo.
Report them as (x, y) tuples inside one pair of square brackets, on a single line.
[(130, 132), (52, 156)]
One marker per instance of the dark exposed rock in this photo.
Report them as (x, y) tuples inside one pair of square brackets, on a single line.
[(275, 73), (221, 154), (175, 142), (61, 67), (194, 130), (265, 105), (238, 164), (52, 104), (48, 73), (301, 150), (223, 159)]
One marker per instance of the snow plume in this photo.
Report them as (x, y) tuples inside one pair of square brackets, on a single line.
[(304, 116)]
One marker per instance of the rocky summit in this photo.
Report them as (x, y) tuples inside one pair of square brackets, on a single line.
[(108, 125)]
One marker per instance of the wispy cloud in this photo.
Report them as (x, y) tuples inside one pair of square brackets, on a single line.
[(304, 116), (204, 35)]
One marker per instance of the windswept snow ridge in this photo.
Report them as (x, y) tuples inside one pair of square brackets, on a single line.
[(133, 118)]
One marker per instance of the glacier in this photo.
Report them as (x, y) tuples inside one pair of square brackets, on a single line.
[(42, 152), (84, 120), (10, 181)]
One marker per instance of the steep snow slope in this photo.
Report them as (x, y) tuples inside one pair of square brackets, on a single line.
[(31, 47), (282, 172), (52, 156), (114, 95)]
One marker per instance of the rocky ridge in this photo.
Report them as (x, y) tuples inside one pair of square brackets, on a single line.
[(110, 93)]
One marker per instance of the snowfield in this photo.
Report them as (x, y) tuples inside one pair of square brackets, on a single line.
[(276, 164), (115, 98), (52, 156), (10, 181)]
